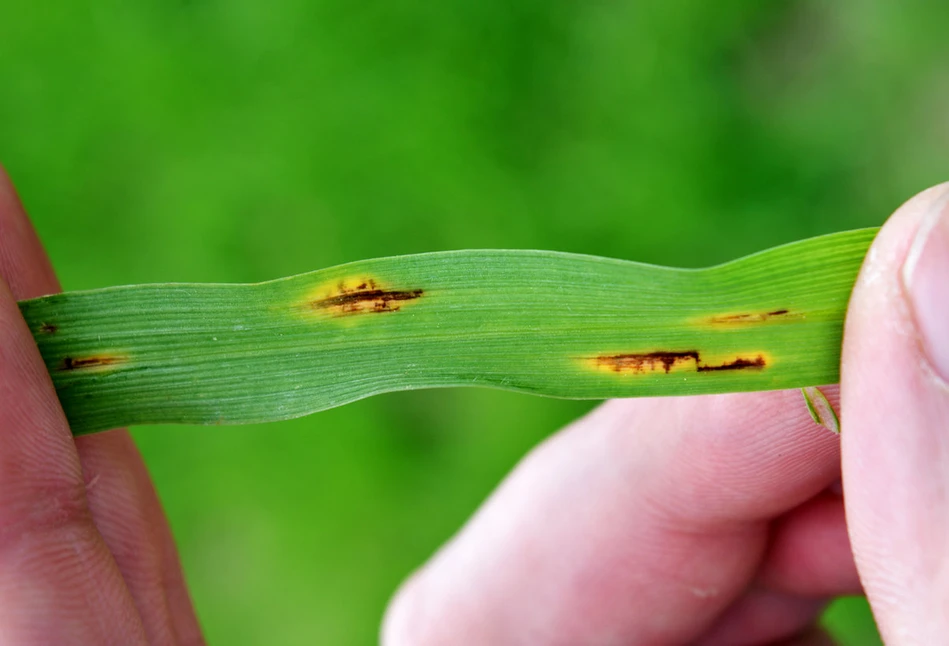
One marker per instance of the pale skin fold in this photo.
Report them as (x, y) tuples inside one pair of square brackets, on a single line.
[(698, 520)]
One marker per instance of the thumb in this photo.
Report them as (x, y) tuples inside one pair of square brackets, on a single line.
[(895, 422)]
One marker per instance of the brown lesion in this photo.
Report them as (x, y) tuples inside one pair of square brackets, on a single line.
[(91, 362), (646, 362), (741, 363), (48, 328), (362, 296), (782, 314), (669, 361)]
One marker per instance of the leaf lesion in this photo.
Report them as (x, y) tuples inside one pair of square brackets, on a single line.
[(361, 296), (70, 363), (668, 361), (745, 318)]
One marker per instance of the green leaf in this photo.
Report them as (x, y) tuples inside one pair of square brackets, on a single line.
[(541, 322)]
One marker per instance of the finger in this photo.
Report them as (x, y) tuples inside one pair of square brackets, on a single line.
[(638, 524), (808, 561), (23, 263), (812, 637), (763, 617), (895, 421), (120, 496), (129, 515), (809, 554), (58, 581)]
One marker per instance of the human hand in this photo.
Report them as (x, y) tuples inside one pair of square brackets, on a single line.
[(86, 555), (714, 520)]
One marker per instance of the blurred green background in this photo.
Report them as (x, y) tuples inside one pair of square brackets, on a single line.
[(242, 140)]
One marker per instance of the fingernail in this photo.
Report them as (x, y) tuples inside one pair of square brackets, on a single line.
[(926, 282)]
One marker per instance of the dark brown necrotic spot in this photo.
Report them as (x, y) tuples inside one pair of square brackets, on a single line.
[(646, 362), (738, 364), (84, 363), (666, 360), (366, 297), (48, 328)]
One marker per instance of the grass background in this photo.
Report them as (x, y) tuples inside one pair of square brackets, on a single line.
[(241, 140)]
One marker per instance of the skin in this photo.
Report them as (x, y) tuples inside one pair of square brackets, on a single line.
[(702, 520), (86, 555)]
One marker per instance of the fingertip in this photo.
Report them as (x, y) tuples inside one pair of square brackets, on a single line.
[(23, 261), (895, 448), (401, 623), (10, 205), (764, 617), (809, 553)]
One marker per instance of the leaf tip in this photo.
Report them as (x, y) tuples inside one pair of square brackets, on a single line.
[(821, 410)]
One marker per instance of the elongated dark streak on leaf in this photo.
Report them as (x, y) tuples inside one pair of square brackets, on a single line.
[(363, 296), (640, 363), (380, 300), (755, 317), (738, 364), (85, 363), (650, 361)]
